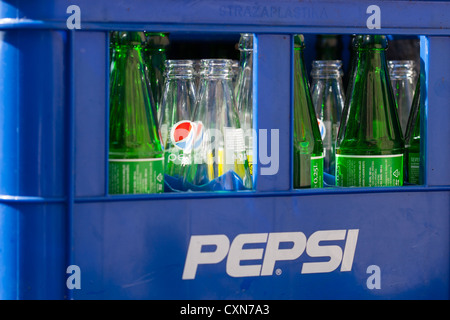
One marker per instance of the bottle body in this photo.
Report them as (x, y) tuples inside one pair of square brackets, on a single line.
[(244, 93), (308, 147), (135, 151), (328, 99), (177, 104), (218, 152), (370, 145), (412, 142), (155, 47), (403, 79)]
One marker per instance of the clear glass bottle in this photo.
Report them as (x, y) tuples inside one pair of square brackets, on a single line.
[(235, 69), (328, 100), (412, 142), (197, 67), (135, 153), (308, 146), (218, 161), (244, 93), (177, 104), (370, 145), (403, 79)]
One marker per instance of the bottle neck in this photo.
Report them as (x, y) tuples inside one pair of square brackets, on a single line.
[(372, 49), (299, 62), (372, 60), (156, 41), (246, 58)]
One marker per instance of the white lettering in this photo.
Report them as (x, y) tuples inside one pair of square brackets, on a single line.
[(313, 249), (237, 254), (268, 248), (349, 250), (195, 256), (274, 253), (273, 159)]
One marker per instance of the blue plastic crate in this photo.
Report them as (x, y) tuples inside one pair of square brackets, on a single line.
[(55, 211)]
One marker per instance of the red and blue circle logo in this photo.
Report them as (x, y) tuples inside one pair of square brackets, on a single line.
[(182, 135)]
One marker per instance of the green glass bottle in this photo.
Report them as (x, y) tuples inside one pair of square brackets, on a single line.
[(308, 147), (412, 141), (136, 163), (370, 145), (155, 56)]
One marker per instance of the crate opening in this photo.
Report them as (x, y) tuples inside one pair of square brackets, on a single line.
[(188, 74)]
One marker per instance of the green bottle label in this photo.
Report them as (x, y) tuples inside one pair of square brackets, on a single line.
[(136, 176), (317, 171), (369, 171), (413, 167)]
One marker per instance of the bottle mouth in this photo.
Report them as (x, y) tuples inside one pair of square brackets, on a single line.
[(246, 42), (299, 42), (179, 68), (156, 40), (401, 68), (222, 68), (128, 38), (370, 42), (326, 69)]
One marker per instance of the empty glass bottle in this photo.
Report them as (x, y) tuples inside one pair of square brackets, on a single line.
[(177, 104), (403, 79), (135, 153), (370, 146), (244, 93), (308, 146), (219, 161), (328, 99), (412, 142)]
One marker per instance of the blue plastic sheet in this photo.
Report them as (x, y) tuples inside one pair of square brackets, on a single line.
[(229, 181)]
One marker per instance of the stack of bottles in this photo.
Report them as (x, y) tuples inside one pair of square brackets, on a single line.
[(174, 124), (136, 156), (187, 125), (371, 135)]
